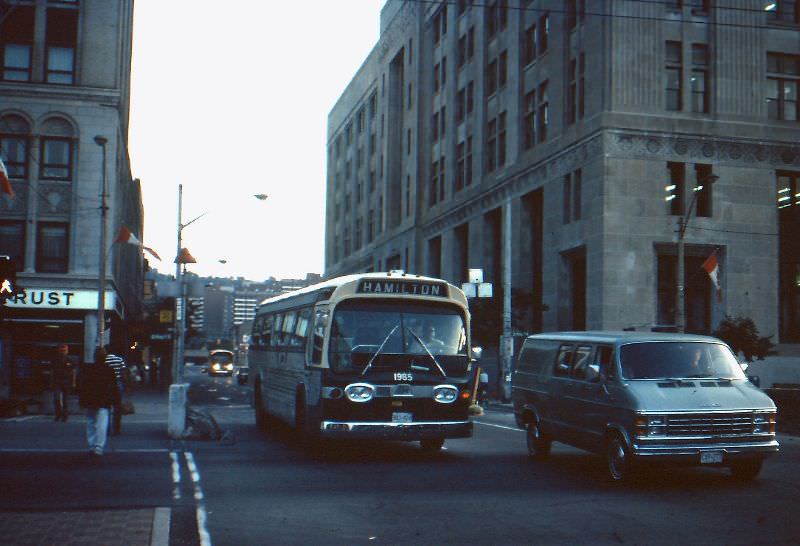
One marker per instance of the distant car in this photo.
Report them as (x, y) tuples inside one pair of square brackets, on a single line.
[(242, 374), (220, 362)]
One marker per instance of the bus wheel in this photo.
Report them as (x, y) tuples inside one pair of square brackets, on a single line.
[(261, 413), (432, 444)]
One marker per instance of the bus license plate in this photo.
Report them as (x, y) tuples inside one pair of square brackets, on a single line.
[(401, 417), (710, 457)]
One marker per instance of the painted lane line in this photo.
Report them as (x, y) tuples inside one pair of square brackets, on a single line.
[(499, 426), (176, 475), (202, 517)]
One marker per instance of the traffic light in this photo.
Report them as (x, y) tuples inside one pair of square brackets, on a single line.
[(8, 279)]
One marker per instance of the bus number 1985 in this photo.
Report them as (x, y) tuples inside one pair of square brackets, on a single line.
[(403, 376)]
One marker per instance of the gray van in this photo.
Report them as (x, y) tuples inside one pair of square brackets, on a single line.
[(641, 396)]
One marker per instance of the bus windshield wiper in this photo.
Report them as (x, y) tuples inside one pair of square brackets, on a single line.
[(419, 340), (371, 360)]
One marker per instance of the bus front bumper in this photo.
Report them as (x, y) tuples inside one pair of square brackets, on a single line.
[(396, 431)]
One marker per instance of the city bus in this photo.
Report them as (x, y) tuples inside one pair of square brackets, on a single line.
[(374, 355)]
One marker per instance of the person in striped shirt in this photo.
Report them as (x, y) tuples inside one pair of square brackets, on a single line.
[(117, 363)]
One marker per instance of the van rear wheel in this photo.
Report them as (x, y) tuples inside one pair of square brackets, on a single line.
[(618, 459), (538, 443)]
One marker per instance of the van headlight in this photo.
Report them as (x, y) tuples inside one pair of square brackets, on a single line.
[(764, 423), (445, 394), (359, 392), (650, 425)]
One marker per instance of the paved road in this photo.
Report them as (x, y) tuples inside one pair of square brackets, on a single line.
[(264, 490)]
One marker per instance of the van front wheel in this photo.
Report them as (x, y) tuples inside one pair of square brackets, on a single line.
[(538, 442), (618, 459)]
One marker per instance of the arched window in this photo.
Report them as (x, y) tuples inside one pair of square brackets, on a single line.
[(14, 133), (57, 150)]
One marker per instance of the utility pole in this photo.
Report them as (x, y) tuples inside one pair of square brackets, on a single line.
[(507, 340), (101, 289), (683, 223)]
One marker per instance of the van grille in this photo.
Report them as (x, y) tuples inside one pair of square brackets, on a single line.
[(710, 424)]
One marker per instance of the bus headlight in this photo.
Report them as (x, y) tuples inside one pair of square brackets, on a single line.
[(359, 392), (445, 394)]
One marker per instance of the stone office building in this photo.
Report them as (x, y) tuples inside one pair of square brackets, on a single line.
[(64, 103), (560, 128)]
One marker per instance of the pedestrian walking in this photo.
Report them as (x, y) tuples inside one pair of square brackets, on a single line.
[(61, 383), (117, 363), (97, 391)]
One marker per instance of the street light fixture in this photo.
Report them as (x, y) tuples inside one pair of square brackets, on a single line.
[(683, 223), (101, 289)]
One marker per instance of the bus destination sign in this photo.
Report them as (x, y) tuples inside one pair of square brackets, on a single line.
[(406, 287)]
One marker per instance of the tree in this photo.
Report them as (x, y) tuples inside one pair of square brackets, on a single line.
[(742, 336)]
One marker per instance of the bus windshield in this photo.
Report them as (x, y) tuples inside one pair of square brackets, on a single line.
[(671, 360), (398, 335)]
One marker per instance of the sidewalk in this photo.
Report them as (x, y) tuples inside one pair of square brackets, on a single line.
[(97, 526)]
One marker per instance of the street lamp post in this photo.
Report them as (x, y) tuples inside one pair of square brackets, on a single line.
[(683, 223), (101, 290)]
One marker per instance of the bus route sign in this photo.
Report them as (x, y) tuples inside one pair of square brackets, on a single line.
[(406, 287)]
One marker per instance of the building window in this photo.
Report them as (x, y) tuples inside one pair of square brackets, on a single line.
[(783, 75), (786, 11), (436, 71), (566, 199), (700, 7), (433, 190), (529, 45), (496, 142), (56, 159), (577, 201), (371, 181), (491, 77), (373, 104), (360, 121), (572, 91), (61, 39), (674, 75), (461, 105), (444, 71), (370, 225), (408, 195), (496, 17), (581, 84), (442, 178), (16, 40), (675, 188), (435, 127), (699, 78), (788, 190), (358, 234), (51, 248), (442, 122), (470, 96), (12, 241), (703, 188), (543, 113), (502, 69), (543, 34), (463, 6), (14, 151), (461, 52), (347, 249), (529, 121), (440, 24), (470, 43)]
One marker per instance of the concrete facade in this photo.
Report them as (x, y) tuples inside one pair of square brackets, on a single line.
[(593, 242), (65, 77)]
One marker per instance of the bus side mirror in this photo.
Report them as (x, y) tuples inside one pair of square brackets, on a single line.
[(476, 352)]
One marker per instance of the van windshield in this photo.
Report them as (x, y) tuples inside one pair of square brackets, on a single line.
[(678, 360)]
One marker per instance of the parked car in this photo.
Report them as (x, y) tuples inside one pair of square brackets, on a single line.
[(642, 397), (242, 374)]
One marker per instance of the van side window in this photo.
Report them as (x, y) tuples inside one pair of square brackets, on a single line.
[(581, 361), (563, 361), (603, 363)]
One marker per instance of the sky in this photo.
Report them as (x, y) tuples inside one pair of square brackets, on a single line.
[(231, 99)]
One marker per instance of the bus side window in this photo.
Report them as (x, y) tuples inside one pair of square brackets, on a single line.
[(318, 335), (255, 334), (301, 329), (266, 331), (276, 330)]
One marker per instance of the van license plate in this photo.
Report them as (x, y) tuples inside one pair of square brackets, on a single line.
[(401, 417), (710, 457)]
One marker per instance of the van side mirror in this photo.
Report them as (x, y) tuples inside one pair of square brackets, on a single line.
[(476, 352)]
